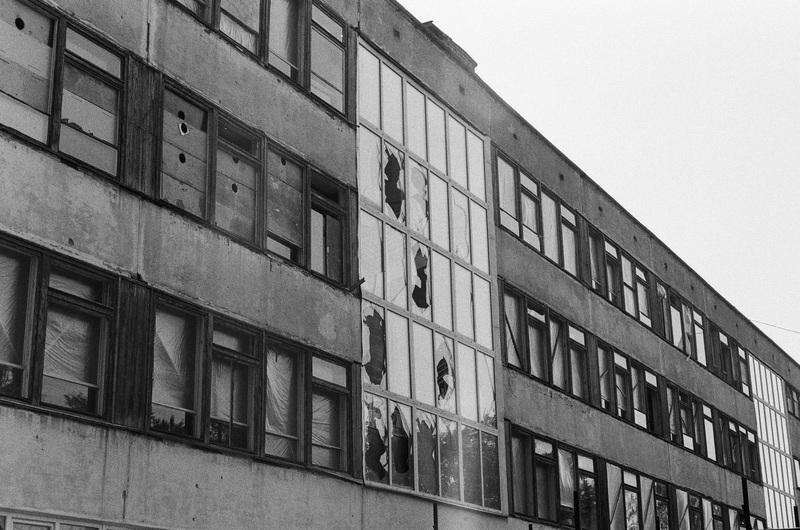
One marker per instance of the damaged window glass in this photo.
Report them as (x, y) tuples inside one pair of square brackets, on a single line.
[(402, 457), (373, 337), (445, 373), (420, 272), (427, 452), (471, 464), (371, 254), (26, 64), (394, 191), (418, 198), (376, 448), (184, 157)]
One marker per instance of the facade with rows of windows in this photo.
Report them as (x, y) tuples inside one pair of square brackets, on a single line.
[(291, 263)]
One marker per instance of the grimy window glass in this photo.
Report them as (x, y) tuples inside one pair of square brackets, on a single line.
[(15, 278), (232, 386), (284, 206), (238, 172), (240, 20), (327, 58)]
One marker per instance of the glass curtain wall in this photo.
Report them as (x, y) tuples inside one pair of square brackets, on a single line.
[(430, 422)]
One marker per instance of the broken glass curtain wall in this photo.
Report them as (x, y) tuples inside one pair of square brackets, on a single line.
[(429, 404)]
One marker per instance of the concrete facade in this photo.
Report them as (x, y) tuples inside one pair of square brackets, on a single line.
[(113, 468)]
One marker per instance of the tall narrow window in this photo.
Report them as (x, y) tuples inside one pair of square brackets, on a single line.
[(708, 431), (238, 172), (16, 275), (596, 261), (630, 488), (327, 58), (76, 341), (26, 69), (176, 367), (587, 493), (628, 287), (699, 338), (687, 420), (653, 403), (529, 199), (550, 224), (676, 321), (638, 391), (578, 366), (643, 297), (546, 483), (673, 413), (569, 241), (566, 480), (329, 416), (285, 223), (537, 343), (557, 343), (507, 191), (327, 228), (513, 331), (232, 386), (613, 274), (283, 403), (622, 381), (605, 361), (283, 36), (522, 474)]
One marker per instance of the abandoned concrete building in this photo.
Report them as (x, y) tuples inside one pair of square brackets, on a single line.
[(293, 264)]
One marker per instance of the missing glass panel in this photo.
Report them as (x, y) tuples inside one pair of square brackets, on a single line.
[(427, 437), (421, 270), (394, 187), (376, 443), (373, 336), (402, 466), (445, 373)]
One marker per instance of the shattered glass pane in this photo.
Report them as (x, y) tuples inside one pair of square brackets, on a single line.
[(448, 449), (458, 151), (491, 471), (369, 86), (436, 140), (486, 394), (399, 366), (440, 217), (445, 376), (480, 238), (471, 458), (418, 198), (442, 305), (392, 102), (396, 270), (184, 155), (461, 230), (26, 59), (373, 344), (463, 292), (376, 447), (477, 183), (424, 380), (483, 311), (394, 188), (467, 383), (370, 238), (420, 273), (416, 121), (370, 172), (402, 446), (427, 452)]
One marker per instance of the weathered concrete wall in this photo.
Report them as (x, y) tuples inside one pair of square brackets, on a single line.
[(98, 222)]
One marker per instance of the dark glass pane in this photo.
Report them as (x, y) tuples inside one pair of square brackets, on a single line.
[(427, 452), (471, 458)]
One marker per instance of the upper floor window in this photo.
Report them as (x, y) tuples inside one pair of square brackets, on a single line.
[(76, 109), (76, 308), (214, 168), (296, 37)]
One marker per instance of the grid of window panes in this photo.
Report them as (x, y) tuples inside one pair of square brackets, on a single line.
[(773, 438), (429, 401)]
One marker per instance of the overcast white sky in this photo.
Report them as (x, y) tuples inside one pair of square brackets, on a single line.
[(686, 112)]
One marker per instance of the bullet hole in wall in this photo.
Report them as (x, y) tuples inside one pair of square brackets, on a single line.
[(666, 267), (19, 23), (70, 241), (462, 90), (600, 208), (234, 187), (396, 33), (184, 129), (635, 238), (561, 177), (182, 158), (514, 135)]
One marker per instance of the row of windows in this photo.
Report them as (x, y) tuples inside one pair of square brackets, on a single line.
[(210, 378), (555, 483), (541, 220), (548, 347), (298, 38), (212, 166)]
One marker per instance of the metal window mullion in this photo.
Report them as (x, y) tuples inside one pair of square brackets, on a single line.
[(211, 166), (59, 44)]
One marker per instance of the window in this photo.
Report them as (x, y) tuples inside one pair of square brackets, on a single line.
[(545, 476), (646, 399), (76, 308), (213, 168), (613, 274), (330, 418), (79, 113), (624, 507), (687, 420), (289, 34), (553, 351)]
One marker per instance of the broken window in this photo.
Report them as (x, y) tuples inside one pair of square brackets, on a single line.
[(373, 337), (376, 442), (175, 400), (233, 370), (421, 272), (427, 452), (401, 457), (327, 58), (394, 188), (445, 373)]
